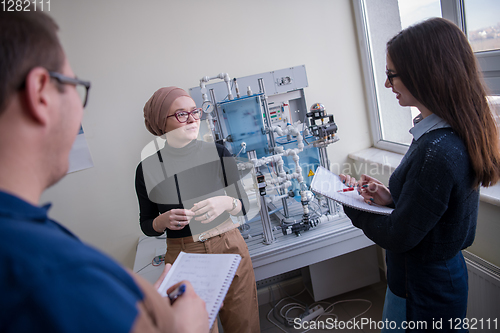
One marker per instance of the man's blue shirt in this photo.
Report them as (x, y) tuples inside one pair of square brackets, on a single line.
[(51, 282)]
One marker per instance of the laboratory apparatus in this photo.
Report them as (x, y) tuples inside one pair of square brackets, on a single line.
[(277, 140)]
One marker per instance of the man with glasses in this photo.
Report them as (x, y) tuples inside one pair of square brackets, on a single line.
[(50, 281)]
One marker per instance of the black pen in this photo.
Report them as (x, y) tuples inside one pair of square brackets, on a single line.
[(176, 293)]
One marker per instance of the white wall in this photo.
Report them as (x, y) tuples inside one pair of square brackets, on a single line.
[(128, 49), (486, 244)]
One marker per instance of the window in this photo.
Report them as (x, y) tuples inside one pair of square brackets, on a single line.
[(482, 24), (412, 11), (379, 20)]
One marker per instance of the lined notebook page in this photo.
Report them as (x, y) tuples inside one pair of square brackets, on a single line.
[(210, 274), (328, 184)]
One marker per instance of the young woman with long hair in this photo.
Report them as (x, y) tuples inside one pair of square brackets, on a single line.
[(435, 189)]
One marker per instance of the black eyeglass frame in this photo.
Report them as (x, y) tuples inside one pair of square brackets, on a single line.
[(63, 79), (189, 113), (391, 76)]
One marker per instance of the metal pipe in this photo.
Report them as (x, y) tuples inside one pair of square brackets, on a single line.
[(272, 141), (222, 76), (218, 129), (236, 88), (264, 214), (262, 89)]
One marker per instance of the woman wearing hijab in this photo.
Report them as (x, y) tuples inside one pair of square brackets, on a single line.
[(435, 189), (189, 189)]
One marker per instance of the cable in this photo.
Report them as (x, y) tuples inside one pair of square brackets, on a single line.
[(143, 267), (270, 172), (320, 211), (293, 297), (293, 306), (317, 204), (239, 152), (273, 308), (272, 322), (158, 260), (304, 122)]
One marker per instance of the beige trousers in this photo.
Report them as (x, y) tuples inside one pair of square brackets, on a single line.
[(240, 311)]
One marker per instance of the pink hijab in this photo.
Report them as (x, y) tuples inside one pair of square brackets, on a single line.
[(156, 108)]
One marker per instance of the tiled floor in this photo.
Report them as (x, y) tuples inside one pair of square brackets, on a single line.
[(344, 310)]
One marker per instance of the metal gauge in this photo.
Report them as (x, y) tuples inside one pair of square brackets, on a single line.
[(208, 107)]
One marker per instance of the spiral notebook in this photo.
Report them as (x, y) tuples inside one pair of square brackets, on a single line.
[(210, 274), (328, 184)]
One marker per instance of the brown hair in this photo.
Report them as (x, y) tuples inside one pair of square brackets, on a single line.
[(435, 62), (28, 39)]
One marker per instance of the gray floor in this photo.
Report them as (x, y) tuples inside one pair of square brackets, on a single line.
[(344, 310)]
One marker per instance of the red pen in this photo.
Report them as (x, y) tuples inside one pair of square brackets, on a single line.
[(347, 189), (352, 188)]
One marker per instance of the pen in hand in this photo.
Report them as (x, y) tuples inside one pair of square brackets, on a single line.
[(352, 188), (176, 293)]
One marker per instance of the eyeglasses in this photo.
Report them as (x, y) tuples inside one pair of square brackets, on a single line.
[(182, 116), (390, 76), (82, 87)]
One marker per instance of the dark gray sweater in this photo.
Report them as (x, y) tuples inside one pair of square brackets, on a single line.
[(436, 206)]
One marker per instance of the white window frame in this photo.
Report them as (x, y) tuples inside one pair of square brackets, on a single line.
[(452, 10), (489, 61)]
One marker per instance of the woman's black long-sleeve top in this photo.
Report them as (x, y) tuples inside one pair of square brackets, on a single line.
[(177, 178)]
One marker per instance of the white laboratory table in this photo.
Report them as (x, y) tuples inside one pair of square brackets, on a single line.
[(147, 249)]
